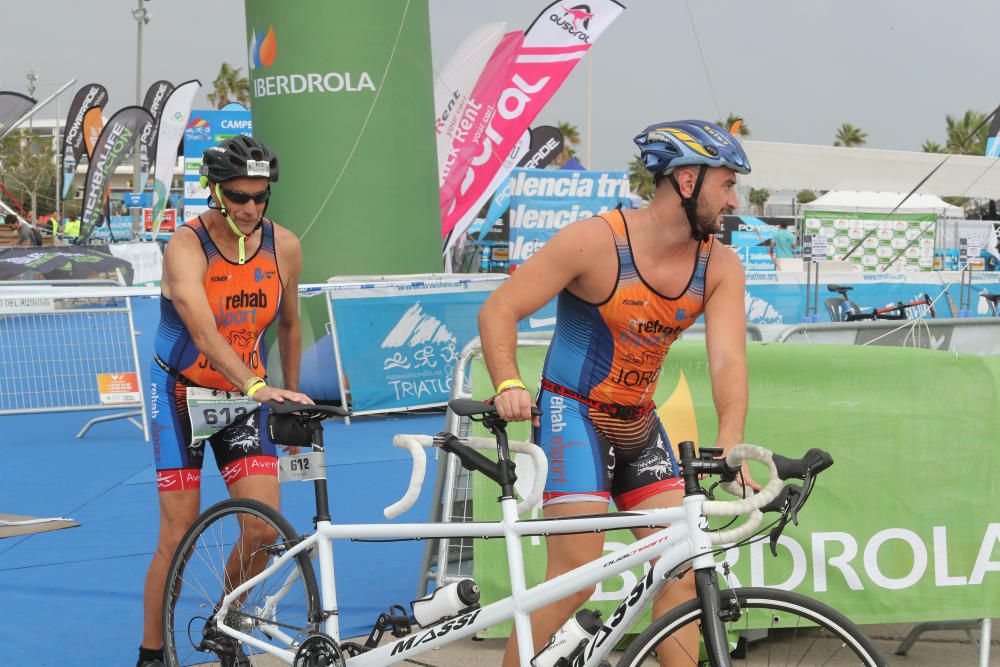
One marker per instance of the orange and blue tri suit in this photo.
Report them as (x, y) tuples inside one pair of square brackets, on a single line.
[(600, 429), (245, 300)]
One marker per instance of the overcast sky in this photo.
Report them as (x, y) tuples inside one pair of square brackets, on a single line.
[(794, 69)]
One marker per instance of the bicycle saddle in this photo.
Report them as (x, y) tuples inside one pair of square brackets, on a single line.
[(306, 410), (991, 297), (843, 289)]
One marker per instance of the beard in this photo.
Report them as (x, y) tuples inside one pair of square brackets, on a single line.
[(707, 222)]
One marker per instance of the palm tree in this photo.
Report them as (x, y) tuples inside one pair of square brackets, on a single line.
[(744, 130), (230, 86), (571, 139), (849, 136), (963, 136), (931, 146), (639, 179), (758, 197)]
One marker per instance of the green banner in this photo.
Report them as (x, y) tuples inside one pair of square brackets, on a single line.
[(343, 93), (882, 237), (905, 527)]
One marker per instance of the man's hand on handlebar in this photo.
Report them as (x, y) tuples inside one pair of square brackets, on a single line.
[(514, 405)]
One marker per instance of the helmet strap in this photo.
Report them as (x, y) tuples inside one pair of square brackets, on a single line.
[(232, 225), (690, 204)]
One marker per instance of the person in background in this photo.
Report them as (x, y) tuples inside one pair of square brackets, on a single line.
[(71, 227)]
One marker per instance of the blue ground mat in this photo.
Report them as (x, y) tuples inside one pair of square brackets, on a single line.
[(74, 596)]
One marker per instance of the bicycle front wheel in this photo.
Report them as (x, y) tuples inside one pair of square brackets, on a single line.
[(765, 627), (230, 543)]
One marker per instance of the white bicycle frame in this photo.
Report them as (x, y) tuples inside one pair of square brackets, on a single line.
[(686, 538)]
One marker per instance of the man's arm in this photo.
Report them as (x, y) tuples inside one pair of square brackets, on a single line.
[(289, 325), (725, 320), (531, 286)]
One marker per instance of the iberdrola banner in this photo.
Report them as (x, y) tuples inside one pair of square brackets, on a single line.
[(116, 141), (176, 110), (557, 39), (88, 97), (343, 93), (454, 84), (903, 528)]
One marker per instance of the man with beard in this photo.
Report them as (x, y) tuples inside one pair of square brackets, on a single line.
[(628, 283)]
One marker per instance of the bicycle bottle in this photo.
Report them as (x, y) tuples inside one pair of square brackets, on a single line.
[(568, 639)]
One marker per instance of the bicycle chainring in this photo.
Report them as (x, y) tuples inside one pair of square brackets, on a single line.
[(319, 651)]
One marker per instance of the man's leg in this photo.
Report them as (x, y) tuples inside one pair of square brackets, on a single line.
[(178, 510), (682, 648), (565, 552), (247, 559)]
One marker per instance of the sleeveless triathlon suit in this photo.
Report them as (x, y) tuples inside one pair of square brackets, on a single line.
[(245, 299), (599, 428)]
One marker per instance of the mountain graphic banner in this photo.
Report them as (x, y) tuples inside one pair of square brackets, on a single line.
[(398, 340)]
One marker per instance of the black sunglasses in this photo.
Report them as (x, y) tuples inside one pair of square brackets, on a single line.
[(238, 197)]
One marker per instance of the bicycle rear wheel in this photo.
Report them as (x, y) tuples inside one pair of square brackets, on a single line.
[(765, 627), (228, 544)]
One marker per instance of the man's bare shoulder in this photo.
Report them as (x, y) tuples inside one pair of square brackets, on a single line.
[(585, 232), (724, 260)]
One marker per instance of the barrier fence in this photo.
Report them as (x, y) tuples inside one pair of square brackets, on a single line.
[(63, 348)]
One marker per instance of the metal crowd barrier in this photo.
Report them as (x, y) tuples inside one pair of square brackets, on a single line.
[(70, 345), (979, 336)]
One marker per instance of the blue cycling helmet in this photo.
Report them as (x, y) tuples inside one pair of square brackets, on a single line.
[(664, 147)]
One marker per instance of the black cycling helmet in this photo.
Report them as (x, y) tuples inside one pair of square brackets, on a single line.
[(239, 157)]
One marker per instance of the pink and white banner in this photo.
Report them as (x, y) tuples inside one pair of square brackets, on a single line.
[(475, 120), (454, 84), (557, 39)]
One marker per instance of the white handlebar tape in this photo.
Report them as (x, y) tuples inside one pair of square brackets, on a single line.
[(414, 444), (749, 505)]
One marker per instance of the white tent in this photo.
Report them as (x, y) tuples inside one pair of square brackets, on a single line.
[(780, 166), (864, 201)]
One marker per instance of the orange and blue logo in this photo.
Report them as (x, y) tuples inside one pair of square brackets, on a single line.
[(198, 122), (263, 48)]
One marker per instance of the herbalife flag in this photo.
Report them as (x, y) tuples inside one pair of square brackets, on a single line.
[(12, 107), (555, 42), (117, 138), (454, 84), (176, 110), (156, 96), (87, 98)]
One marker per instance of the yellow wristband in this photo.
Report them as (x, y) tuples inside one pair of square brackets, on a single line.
[(255, 387), (514, 383), (251, 382)]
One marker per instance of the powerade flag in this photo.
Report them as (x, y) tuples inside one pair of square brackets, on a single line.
[(558, 38), (118, 137), (12, 107), (176, 110), (93, 123), (546, 144), (90, 96), (156, 96), (454, 84)]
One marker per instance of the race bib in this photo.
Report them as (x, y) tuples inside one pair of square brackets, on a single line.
[(212, 410)]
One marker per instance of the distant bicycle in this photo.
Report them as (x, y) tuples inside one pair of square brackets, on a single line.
[(843, 309), (992, 301)]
